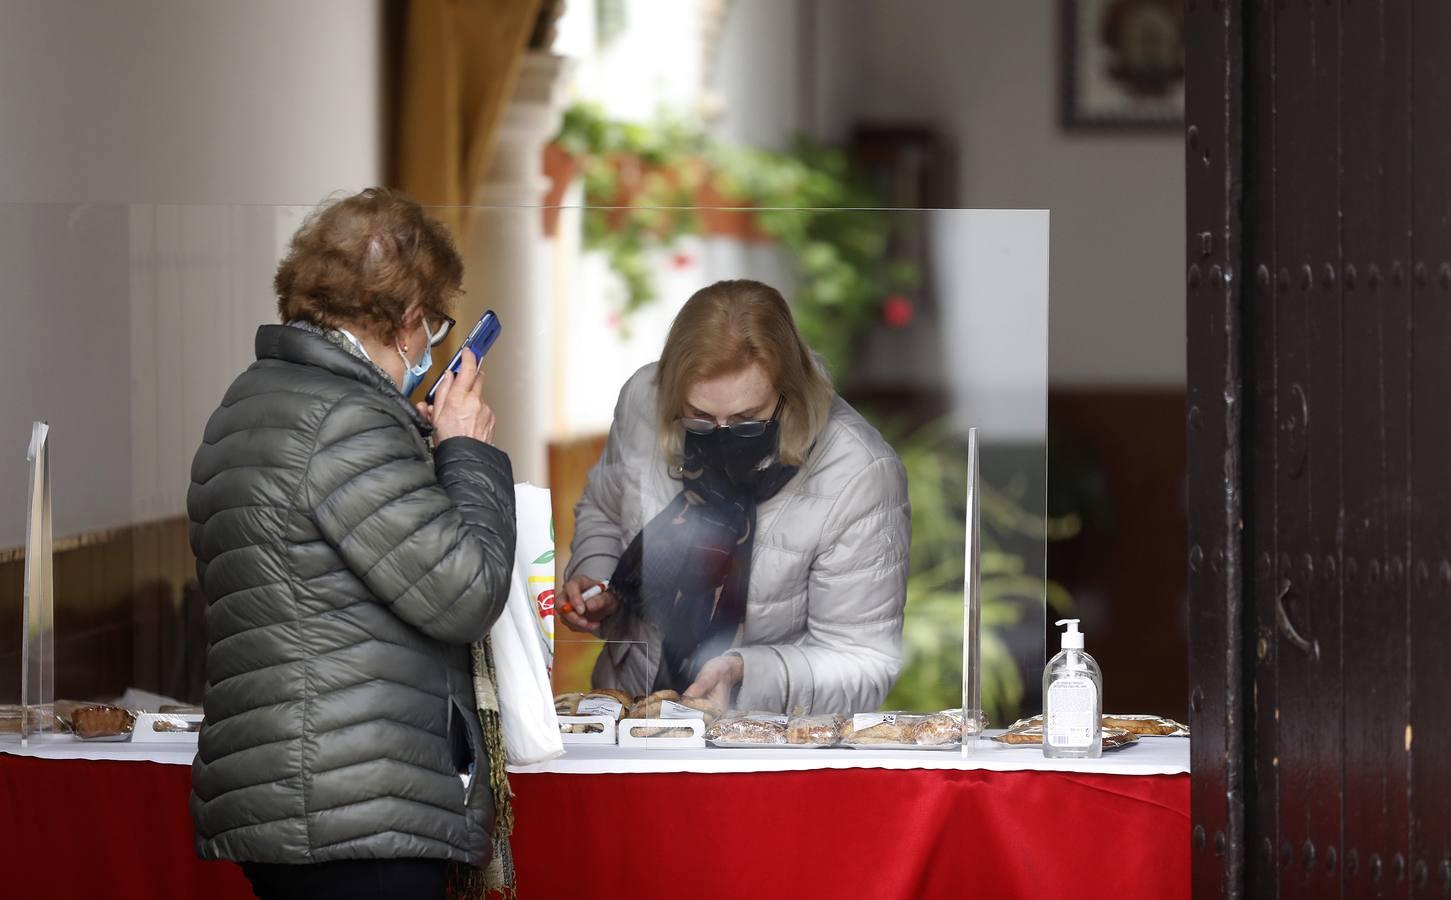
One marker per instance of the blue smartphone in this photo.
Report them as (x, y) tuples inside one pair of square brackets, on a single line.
[(480, 339)]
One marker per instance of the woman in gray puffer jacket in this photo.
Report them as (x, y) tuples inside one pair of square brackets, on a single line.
[(347, 567)]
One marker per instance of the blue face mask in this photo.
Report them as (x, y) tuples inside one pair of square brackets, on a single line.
[(413, 375)]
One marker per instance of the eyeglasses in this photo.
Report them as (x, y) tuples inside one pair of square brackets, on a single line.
[(747, 429), (435, 339)]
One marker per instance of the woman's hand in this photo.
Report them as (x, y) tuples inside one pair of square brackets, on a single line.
[(718, 680), (458, 409), (584, 615)]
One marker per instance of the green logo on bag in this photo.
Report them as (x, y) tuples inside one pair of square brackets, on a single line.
[(548, 555)]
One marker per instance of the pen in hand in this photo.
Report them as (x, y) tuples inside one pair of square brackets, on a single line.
[(589, 595)]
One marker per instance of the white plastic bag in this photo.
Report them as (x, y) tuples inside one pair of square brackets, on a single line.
[(522, 654)]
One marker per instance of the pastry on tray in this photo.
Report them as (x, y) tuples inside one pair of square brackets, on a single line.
[(1149, 726), (937, 730), (101, 721), (175, 726), (815, 731), (749, 728), (1113, 738), (649, 707), (888, 732)]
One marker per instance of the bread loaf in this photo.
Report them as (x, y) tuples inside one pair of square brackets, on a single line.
[(102, 721), (815, 731), (936, 730)]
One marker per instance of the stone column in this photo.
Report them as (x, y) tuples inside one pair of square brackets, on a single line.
[(507, 267)]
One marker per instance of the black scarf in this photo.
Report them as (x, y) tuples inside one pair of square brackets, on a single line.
[(688, 571)]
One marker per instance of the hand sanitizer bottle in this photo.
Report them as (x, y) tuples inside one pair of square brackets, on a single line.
[(1072, 701)]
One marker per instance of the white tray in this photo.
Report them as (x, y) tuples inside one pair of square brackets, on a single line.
[(605, 736), (695, 742), (747, 745), (955, 745)]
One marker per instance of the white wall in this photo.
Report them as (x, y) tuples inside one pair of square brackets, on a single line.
[(188, 101), (986, 71), (123, 324)]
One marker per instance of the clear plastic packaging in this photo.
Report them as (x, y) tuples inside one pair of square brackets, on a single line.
[(815, 731), (1142, 725), (749, 729), (1030, 735), (102, 722)]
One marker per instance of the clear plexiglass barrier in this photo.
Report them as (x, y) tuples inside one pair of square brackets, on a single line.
[(781, 542)]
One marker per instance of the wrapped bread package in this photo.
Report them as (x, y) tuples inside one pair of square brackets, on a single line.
[(938, 729), (815, 731), (101, 722), (664, 706), (755, 729), (879, 728), (1026, 734), (649, 707), (1141, 725), (908, 731)]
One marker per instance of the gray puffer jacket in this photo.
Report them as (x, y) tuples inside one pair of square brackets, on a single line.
[(346, 573)]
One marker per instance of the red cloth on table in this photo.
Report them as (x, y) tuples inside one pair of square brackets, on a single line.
[(853, 833), (75, 828), (113, 829)]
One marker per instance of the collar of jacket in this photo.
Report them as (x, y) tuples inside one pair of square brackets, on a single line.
[(310, 348)]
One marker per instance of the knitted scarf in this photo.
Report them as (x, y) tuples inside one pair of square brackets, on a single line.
[(497, 880)]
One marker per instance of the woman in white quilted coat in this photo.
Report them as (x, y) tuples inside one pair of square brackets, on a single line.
[(749, 528)]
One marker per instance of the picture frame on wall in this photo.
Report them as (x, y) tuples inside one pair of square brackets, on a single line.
[(1123, 64)]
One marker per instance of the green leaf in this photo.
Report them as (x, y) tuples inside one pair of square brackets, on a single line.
[(546, 557)]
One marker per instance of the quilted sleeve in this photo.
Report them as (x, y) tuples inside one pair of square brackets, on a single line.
[(432, 541)]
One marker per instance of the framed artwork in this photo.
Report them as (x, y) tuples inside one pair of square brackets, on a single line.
[(1123, 63)]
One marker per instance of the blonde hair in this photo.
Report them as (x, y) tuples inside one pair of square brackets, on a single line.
[(723, 329)]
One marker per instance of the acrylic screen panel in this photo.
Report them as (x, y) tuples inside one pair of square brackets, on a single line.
[(128, 322), (958, 341)]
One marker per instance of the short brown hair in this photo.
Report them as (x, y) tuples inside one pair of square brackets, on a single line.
[(723, 329), (364, 260)]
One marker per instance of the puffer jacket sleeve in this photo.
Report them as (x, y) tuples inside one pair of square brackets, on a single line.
[(434, 542), (852, 651), (599, 538)]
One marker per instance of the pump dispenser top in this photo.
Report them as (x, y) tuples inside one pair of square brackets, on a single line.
[(1072, 638)]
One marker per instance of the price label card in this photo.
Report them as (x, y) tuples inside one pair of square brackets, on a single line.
[(863, 721), (599, 706), (669, 709)]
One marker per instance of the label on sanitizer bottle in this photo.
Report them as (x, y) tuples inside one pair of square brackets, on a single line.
[(1071, 702)]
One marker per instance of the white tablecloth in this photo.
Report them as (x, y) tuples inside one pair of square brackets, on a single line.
[(1150, 756)]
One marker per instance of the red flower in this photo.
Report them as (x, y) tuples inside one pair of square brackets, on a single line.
[(897, 311), (612, 319), (682, 260), (546, 604)]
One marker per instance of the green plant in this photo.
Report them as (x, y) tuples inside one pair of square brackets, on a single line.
[(642, 183)]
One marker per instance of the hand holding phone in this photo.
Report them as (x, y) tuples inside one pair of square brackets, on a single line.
[(460, 410), (481, 338)]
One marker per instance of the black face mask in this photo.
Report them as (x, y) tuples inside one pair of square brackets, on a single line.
[(736, 459)]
